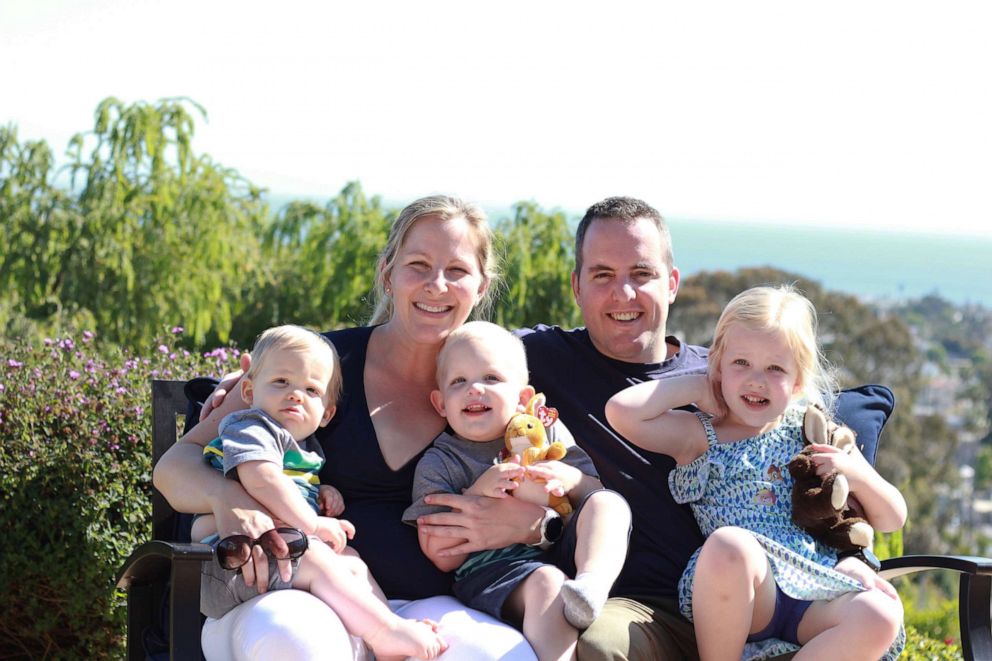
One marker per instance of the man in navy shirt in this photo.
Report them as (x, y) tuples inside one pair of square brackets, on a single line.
[(624, 281)]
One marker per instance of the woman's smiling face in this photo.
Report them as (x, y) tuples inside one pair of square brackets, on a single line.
[(436, 278)]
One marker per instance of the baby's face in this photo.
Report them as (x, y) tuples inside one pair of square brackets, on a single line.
[(291, 387), (478, 392)]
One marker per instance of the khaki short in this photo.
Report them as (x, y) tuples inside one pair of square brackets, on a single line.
[(639, 629)]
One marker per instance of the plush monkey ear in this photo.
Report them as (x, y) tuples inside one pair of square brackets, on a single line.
[(815, 425)]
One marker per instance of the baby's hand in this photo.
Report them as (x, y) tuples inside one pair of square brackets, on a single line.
[(497, 480), (560, 477), (336, 532), (330, 500)]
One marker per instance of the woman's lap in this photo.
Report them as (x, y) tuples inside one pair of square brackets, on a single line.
[(470, 634), (292, 624), (285, 624)]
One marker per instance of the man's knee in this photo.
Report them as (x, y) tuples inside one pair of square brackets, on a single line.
[(629, 629)]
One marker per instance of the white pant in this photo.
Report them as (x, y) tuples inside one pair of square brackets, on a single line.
[(293, 624)]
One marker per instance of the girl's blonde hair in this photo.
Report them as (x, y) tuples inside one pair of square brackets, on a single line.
[(779, 309), (445, 208)]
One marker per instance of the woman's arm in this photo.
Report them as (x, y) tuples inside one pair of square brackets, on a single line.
[(482, 522), (181, 475), (432, 547), (645, 415), (190, 485)]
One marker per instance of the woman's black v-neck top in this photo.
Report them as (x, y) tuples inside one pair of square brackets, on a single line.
[(374, 494)]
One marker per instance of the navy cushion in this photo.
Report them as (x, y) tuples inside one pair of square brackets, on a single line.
[(865, 409)]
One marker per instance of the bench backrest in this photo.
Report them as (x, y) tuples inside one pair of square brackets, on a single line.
[(168, 404)]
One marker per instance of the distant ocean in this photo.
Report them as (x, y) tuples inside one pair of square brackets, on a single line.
[(873, 265)]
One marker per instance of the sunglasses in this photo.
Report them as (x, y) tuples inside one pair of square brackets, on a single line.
[(234, 552)]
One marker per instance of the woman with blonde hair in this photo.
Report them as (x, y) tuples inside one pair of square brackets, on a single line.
[(436, 268)]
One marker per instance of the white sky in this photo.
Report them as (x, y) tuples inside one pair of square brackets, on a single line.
[(870, 114)]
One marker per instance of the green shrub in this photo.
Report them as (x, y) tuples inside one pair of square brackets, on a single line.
[(75, 472), (921, 648)]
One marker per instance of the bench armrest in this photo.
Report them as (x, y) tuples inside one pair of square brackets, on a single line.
[(145, 575), (974, 594)]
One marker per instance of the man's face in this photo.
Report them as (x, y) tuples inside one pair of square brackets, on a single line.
[(625, 288)]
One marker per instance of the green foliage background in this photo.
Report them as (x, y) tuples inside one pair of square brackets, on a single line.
[(75, 474), (138, 232)]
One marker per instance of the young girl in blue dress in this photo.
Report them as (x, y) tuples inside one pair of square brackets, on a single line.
[(760, 584)]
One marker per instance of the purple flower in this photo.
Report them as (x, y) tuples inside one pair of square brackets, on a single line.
[(73, 374), (220, 353), (163, 349), (2, 387), (13, 364), (121, 391), (49, 341), (67, 344), (87, 336), (176, 330)]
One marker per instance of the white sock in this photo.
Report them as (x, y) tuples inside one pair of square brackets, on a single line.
[(584, 598)]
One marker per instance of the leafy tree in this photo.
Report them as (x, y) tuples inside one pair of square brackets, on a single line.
[(152, 234), (537, 251), (166, 234), (323, 264), (36, 223)]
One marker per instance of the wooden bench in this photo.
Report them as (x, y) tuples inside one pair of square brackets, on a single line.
[(151, 567)]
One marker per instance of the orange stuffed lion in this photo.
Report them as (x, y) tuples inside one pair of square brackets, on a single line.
[(526, 437)]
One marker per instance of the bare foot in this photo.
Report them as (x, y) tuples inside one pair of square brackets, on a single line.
[(401, 638)]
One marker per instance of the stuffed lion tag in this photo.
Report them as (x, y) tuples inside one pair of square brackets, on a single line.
[(526, 436), (820, 505)]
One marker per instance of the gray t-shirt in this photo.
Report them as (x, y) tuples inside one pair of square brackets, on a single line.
[(452, 465), (253, 435)]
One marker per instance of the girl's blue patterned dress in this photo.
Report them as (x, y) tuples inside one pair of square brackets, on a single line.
[(747, 484)]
